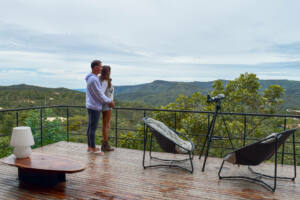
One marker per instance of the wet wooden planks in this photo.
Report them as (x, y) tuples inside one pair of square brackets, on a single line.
[(120, 175)]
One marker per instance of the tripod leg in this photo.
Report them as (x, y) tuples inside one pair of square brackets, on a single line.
[(204, 144), (210, 134), (150, 151), (206, 153), (145, 145), (229, 135), (294, 156), (209, 138)]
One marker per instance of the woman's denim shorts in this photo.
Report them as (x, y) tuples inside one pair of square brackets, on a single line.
[(106, 107)]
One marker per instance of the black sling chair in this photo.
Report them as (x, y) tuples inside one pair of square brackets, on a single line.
[(169, 140), (258, 152)]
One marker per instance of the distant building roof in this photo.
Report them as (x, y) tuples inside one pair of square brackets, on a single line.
[(54, 118)]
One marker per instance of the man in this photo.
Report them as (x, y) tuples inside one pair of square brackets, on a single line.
[(95, 97)]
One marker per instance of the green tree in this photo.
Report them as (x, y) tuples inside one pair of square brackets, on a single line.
[(52, 130), (242, 95)]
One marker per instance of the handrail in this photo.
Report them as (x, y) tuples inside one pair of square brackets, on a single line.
[(116, 127), (155, 109)]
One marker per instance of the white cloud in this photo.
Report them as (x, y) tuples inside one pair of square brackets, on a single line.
[(243, 59), (146, 40)]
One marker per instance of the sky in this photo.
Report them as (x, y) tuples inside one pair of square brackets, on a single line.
[(51, 43)]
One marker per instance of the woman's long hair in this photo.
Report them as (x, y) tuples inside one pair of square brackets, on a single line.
[(105, 75)]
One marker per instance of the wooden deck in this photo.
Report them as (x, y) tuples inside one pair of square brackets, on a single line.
[(120, 175)]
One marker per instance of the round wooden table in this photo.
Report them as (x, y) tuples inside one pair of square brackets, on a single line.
[(43, 169)]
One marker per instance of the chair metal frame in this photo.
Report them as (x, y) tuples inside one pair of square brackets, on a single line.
[(260, 175), (172, 163)]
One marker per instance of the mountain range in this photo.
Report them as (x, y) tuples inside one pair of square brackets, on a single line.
[(161, 92), (156, 93)]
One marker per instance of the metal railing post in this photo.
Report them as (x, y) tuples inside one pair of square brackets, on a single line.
[(208, 120), (17, 118), (116, 128), (68, 123), (294, 156), (283, 148), (245, 130), (175, 121), (41, 125), (144, 131), (145, 141)]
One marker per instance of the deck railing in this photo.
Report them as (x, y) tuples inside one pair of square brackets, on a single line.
[(120, 115)]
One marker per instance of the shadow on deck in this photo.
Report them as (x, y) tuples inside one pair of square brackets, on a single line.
[(120, 175)]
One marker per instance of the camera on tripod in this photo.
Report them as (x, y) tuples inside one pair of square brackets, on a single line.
[(210, 134), (217, 98)]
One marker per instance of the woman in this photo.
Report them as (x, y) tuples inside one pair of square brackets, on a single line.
[(108, 90)]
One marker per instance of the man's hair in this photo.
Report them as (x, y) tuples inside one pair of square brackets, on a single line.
[(95, 63)]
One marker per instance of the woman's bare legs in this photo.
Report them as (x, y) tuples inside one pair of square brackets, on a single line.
[(106, 124), (105, 128)]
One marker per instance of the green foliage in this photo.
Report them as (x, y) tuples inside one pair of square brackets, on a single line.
[(5, 149), (7, 123), (52, 131), (243, 95), (77, 122), (129, 140), (272, 97)]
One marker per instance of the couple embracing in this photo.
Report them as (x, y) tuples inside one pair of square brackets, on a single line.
[(99, 99)]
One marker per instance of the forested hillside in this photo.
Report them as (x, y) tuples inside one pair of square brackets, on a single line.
[(163, 92), (159, 92), (22, 96), (292, 91), (155, 94)]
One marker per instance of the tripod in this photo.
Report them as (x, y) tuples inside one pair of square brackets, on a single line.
[(210, 134)]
